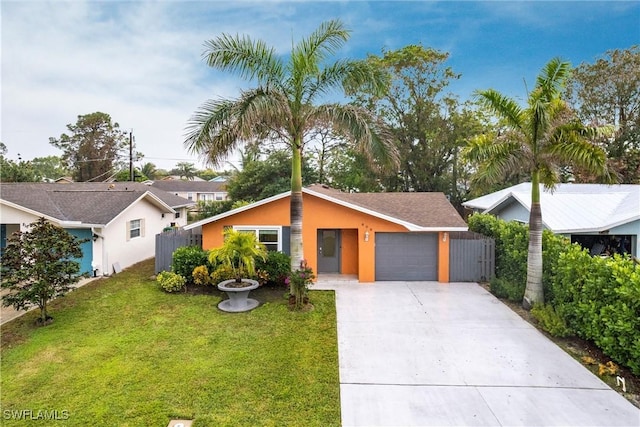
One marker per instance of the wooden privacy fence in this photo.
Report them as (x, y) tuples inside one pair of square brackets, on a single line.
[(471, 257), (168, 241)]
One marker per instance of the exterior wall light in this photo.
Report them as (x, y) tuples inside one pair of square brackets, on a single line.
[(366, 236)]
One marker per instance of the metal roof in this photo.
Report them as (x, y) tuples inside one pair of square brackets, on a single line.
[(571, 207)]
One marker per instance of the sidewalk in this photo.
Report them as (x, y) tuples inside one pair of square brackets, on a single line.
[(9, 313)]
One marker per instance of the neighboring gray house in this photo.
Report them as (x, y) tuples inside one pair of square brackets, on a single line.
[(119, 220), (194, 191), (599, 217)]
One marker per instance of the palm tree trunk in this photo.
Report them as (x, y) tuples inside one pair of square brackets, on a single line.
[(534, 291), (297, 254)]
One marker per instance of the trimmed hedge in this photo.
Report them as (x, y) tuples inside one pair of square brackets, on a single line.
[(599, 298), (512, 248), (594, 298)]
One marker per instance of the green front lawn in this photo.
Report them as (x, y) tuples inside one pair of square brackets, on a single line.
[(122, 352)]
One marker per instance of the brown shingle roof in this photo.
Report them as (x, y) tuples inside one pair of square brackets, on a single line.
[(89, 203), (431, 210)]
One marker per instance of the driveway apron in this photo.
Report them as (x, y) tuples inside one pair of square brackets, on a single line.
[(430, 354)]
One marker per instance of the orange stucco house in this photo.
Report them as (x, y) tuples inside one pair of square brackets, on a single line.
[(375, 236)]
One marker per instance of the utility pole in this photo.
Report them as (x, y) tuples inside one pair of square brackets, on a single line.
[(131, 175)]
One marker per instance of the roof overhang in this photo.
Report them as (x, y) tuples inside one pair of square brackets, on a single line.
[(57, 221)]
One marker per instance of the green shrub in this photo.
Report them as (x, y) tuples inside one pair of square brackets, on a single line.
[(277, 267), (503, 288), (600, 300), (201, 275), (221, 273), (186, 259), (512, 245), (512, 251), (550, 321), (170, 281)]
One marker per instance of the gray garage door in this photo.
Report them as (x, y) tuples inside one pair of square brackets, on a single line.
[(406, 256)]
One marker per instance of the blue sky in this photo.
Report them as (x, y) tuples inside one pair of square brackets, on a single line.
[(141, 62)]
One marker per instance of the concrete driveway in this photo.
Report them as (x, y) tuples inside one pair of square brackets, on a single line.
[(429, 354)]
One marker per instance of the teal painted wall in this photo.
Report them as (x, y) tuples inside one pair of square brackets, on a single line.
[(87, 248)]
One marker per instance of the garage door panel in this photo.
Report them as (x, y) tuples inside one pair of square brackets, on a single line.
[(406, 256)]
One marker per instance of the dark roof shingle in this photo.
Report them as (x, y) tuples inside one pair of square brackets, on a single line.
[(421, 209), (90, 203)]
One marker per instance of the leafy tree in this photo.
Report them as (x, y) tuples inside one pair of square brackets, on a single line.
[(260, 179), (539, 138), (608, 92), (426, 121), (12, 171), (38, 266), (347, 170), (92, 149), (281, 106), (124, 175), (209, 208), (49, 167)]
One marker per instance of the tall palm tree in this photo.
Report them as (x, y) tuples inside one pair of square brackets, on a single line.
[(281, 106), (538, 139), (149, 170), (187, 170)]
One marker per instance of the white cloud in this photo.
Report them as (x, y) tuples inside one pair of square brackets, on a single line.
[(140, 61)]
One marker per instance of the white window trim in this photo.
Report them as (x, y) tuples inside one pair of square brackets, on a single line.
[(129, 229), (257, 228)]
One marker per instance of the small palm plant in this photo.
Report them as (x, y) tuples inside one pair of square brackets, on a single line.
[(239, 251)]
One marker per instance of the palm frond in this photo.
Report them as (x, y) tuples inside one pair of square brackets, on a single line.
[(496, 158), (208, 130), (552, 79), (504, 107), (250, 59), (325, 40), (369, 135), (570, 144), (220, 126)]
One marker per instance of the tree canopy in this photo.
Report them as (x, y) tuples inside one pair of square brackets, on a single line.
[(92, 149), (608, 92)]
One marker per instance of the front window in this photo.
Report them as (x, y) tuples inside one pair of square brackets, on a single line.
[(271, 237)]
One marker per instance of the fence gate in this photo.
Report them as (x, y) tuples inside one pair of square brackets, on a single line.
[(471, 257), (168, 241)]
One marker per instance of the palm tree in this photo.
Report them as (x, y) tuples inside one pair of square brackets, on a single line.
[(187, 170), (239, 251), (538, 139), (149, 170), (281, 106)]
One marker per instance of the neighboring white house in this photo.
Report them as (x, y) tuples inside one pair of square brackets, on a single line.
[(195, 191), (599, 217), (119, 220)]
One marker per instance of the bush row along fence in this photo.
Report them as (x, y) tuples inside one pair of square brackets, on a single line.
[(592, 297)]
